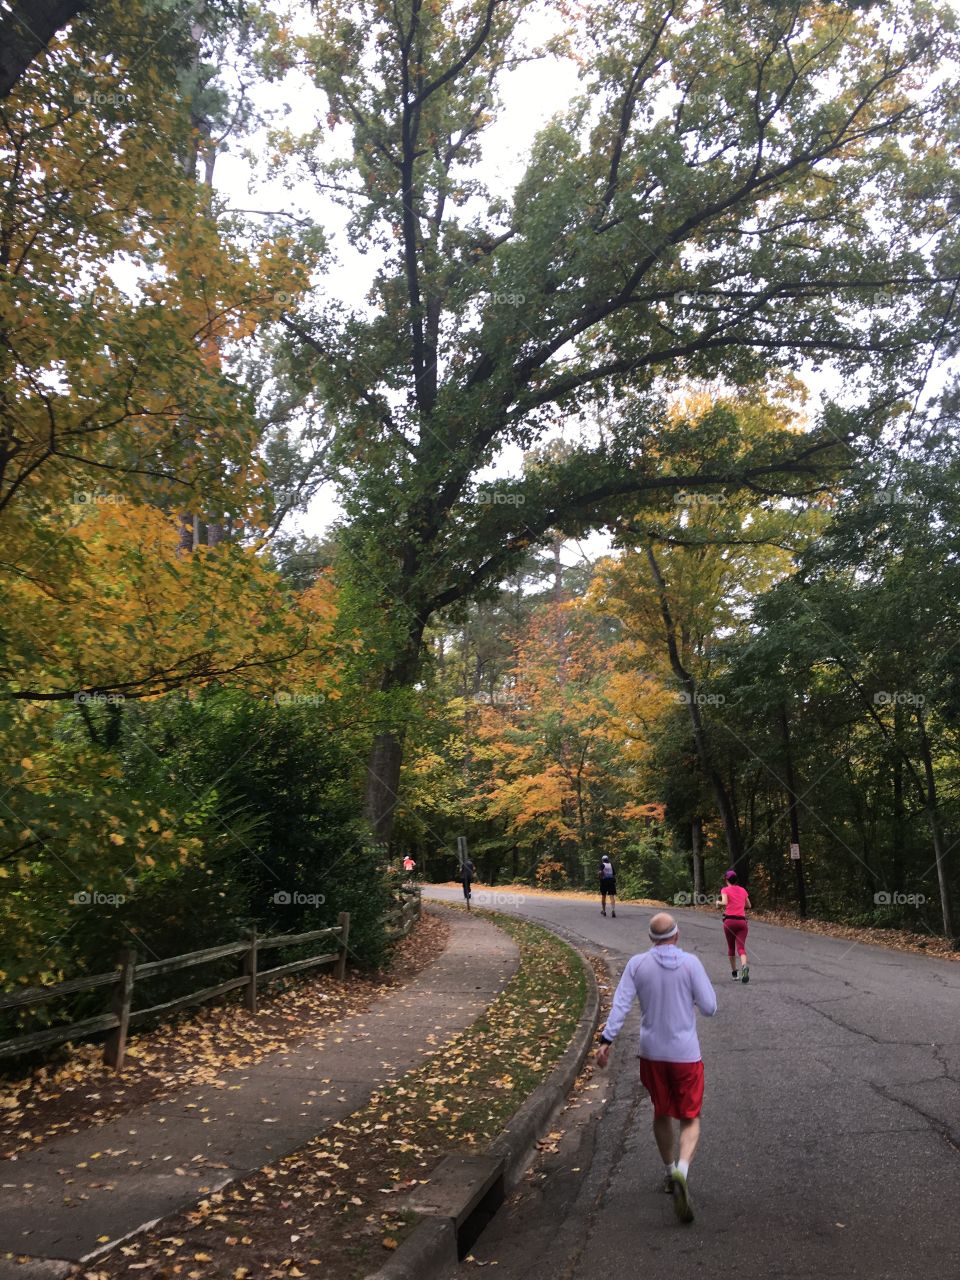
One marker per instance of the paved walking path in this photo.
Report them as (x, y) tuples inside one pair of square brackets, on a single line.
[(57, 1203)]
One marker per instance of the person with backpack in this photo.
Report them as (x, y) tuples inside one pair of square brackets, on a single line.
[(735, 902), (608, 886)]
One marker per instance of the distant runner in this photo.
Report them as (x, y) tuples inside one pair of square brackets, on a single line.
[(467, 873), (670, 985), (608, 886), (408, 864), (735, 902)]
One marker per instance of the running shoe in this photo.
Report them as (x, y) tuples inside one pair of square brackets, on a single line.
[(667, 1184), (681, 1197), (745, 973), (735, 976), (602, 912), (614, 914)]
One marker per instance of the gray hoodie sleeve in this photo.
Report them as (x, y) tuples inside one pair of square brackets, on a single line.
[(704, 996), (623, 999)]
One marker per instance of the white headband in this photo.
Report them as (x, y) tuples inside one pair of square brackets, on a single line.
[(662, 937)]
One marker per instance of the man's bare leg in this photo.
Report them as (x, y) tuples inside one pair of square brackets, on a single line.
[(689, 1137), (666, 1137)]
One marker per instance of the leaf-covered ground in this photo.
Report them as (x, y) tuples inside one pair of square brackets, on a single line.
[(80, 1091), (334, 1209), (589, 895), (927, 944)]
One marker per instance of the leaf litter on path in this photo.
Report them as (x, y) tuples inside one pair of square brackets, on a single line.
[(197, 1048)]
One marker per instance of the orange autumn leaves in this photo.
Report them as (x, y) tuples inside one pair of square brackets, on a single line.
[(564, 745), (126, 615)]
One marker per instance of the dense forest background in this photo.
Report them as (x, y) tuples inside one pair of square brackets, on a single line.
[(714, 317)]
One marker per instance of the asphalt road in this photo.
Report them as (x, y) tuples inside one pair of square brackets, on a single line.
[(831, 1121)]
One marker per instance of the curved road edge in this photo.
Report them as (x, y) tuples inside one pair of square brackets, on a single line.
[(430, 1251)]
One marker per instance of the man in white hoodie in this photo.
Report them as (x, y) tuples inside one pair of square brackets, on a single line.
[(670, 985)]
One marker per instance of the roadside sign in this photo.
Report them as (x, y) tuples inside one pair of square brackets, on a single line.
[(462, 849), (795, 852)]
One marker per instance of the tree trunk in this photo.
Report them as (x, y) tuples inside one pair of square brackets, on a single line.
[(569, 845), (696, 844), (791, 787), (185, 542), (386, 754), (383, 780), (731, 827), (933, 817), (899, 808), (26, 32)]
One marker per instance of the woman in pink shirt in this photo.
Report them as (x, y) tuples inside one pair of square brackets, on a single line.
[(735, 902)]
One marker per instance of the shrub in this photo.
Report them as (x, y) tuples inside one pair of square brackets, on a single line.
[(551, 874)]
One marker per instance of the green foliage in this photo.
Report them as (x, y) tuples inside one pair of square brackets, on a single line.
[(649, 867), (262, 798), (290, 769)]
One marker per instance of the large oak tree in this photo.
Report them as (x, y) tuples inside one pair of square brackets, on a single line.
[(739, 187)]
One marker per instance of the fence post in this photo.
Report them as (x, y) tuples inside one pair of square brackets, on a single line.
[(343, 924), (250, 969), (116, 1042)]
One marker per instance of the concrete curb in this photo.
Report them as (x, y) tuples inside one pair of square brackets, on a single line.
[(430, 1251)]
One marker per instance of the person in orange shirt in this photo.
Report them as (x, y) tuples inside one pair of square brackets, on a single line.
[(735, 902)]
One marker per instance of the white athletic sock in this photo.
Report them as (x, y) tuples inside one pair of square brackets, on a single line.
[(670, 1165), (683, 1166)]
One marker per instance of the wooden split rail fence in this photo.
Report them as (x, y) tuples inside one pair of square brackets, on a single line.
[(123, 980)]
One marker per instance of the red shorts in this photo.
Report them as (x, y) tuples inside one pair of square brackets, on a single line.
[(675, 1088)]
